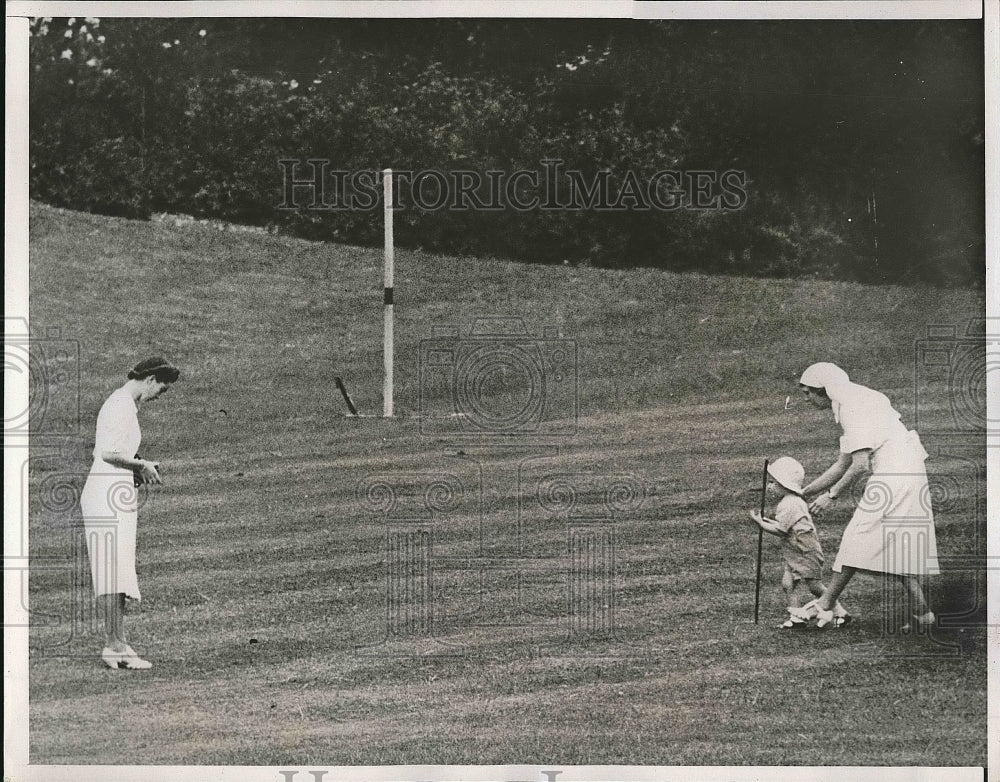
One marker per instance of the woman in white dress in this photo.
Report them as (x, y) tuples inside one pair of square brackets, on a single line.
[(109, 502), (892, 529)]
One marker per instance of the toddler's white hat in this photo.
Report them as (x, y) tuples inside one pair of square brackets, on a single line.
[(788, 472)]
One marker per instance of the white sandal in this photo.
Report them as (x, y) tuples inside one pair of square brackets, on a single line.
[(127, 659)]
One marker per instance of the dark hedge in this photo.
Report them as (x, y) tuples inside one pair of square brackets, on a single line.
[(854, 149)]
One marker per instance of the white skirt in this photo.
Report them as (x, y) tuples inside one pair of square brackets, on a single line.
[(892, 529), (110, 520)]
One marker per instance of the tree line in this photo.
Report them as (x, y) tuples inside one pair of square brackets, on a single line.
[(854, 149)]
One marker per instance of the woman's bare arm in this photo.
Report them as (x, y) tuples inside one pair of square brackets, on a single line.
[(834, 472)]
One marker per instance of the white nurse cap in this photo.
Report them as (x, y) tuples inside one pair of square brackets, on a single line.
[(823, 374)]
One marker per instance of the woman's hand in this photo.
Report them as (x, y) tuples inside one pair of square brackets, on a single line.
[(149, 472), (821, 503)]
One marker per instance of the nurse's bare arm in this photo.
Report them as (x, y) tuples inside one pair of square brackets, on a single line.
[(858, 464), (833, 473), (147, 469)]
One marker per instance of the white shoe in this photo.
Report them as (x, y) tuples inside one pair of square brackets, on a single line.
[(127, 659), (804, 613), (840, 615), (811, 610), (134, 662), (825, 619), (920, 623), (111, 657), (793, 622)]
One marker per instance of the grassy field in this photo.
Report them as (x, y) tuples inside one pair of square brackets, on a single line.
[(287, 613)]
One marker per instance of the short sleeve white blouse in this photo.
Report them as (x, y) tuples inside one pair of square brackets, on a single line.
[(118, 426), (868, 420)]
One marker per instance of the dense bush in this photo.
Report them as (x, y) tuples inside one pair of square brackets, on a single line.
[(850, 171)]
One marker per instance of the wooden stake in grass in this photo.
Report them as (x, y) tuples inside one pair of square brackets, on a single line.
[(760, 545), (387, 339), (347, 398)]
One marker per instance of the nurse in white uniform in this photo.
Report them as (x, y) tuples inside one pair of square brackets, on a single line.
[(108, 502), (892, 529)]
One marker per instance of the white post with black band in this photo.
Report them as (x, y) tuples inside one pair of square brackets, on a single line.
[(387, 343)]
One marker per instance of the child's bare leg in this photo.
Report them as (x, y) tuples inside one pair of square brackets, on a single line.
[(802, 593), (816, 587), (788, 584), (794, 591)]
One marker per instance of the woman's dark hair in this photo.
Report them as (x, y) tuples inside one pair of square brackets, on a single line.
[(160, 368), (817, 391)]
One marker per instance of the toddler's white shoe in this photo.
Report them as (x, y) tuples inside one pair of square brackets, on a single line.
[(811, 610)]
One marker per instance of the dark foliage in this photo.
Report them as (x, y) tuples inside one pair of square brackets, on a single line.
[(861, 142)]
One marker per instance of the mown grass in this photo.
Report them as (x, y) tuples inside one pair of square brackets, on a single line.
[(264, 576)]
